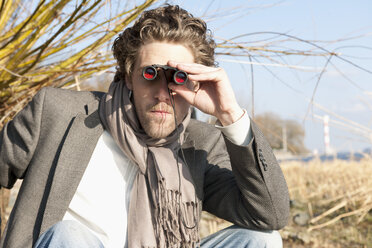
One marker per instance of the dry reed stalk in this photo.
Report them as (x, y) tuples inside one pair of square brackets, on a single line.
[(347, 194), (339, 217), (328, 212)]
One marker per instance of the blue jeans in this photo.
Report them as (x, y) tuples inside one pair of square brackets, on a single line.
[(68, 233), (235, 236), (72, 234)]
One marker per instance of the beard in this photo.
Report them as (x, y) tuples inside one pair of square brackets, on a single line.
[(158, 120)]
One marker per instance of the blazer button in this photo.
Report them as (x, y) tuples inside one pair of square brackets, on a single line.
[(264, 164)]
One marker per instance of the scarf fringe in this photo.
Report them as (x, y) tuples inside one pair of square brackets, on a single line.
[(173, 229)]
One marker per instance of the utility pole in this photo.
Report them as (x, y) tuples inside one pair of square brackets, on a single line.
[(326, 135)]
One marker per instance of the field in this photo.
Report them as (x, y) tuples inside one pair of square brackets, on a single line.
[(331, 205)]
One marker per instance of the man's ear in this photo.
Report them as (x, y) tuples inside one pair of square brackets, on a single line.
[(128, 82)]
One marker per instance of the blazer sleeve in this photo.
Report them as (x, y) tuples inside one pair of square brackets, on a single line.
[(18, 141), (245, 184)]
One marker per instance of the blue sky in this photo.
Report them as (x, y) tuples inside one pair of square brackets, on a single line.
[(341, 26), (344, 91)]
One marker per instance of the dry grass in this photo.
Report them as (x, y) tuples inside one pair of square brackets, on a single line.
[(335, 196)]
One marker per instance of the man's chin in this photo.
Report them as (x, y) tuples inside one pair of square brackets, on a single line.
[(159, 131)]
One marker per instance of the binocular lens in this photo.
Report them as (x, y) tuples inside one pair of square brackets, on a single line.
[(149, 73), (180, 77)]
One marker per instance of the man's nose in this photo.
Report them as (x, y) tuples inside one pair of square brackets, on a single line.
[(162, 91)]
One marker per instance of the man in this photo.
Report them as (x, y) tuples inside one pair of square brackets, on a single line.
[(129, 168)]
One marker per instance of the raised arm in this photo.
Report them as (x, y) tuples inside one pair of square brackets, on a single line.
[(254, 194)]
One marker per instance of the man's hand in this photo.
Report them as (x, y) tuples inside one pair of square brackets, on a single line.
[(213, 93)]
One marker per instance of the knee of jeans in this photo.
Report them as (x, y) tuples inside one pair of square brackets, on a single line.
[(68, 233), (69, 228), (267, 239), (65, 226)]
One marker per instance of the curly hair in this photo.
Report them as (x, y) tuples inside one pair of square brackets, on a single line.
[(169, 23)]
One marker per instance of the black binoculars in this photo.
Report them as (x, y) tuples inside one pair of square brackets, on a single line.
[(150, 72)]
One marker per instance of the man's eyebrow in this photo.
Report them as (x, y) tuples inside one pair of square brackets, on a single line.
[(141, 68)]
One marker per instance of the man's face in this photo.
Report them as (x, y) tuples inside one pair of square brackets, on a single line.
[(151, 98)]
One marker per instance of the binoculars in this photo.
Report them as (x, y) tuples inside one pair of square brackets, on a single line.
[(150, 72)]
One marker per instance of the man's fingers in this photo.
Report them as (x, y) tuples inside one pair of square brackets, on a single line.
[(208, 76), (192, 68)]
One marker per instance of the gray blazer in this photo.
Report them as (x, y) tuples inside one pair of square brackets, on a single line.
[(50, 142)]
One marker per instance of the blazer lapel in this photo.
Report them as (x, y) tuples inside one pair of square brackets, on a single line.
[(188, 148), (76, 152)]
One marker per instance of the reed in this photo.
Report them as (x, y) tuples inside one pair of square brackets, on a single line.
[(51, 43)]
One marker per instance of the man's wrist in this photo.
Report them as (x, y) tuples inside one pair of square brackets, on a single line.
[(230, 117), (239, 132)]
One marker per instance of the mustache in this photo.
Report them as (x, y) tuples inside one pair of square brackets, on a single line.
[(162, 107)]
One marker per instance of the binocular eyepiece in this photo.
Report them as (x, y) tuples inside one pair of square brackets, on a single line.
[(150, 72)]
